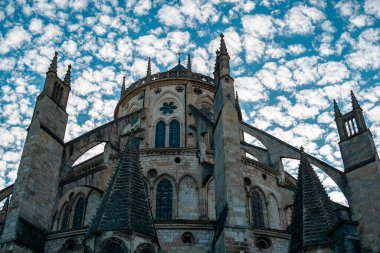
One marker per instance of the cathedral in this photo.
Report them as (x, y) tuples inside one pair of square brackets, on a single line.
[(176, 175)]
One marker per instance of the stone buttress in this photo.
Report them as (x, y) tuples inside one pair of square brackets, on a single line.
[(231, 210), (36, 186)]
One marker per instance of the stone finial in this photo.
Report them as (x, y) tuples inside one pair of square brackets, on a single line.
[(122, 87), (149, 69), (355, 103), (54, 63), (223, 48), (336, 110), (188, 63), (302, 150), (67, 78)]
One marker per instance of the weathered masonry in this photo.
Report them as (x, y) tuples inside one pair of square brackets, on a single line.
[(176, 175)]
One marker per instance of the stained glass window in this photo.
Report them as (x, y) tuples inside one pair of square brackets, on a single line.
[(160, 135), (78, 213), (164, 200), (168, 108), (257, 210), (174, 134), (65, 218)]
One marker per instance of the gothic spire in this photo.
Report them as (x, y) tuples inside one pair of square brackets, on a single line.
[(149, 70), (313, 214), (188, 63), (54, 63), (238, 108), (355, 103), (122, 88), (223, 48), (336, 110), (125, 196), (67, 78)]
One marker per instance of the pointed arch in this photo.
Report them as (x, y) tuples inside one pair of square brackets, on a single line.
[(174, 134), (164, 200), (188, 199), (160, 134), (80, 205), (65, 217), (273, 212), (258, 209)]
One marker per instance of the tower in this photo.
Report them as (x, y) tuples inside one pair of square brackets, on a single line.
[(362, 173), (231, 210), (33, 197)]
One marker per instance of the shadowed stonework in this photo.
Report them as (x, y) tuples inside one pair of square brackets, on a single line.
[(177, 175)]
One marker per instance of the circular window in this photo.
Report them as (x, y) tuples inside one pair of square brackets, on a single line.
[(187, 238), (152, 173), (177, 159), (263, 243), (197, 91), (264, 176), (247, 181)]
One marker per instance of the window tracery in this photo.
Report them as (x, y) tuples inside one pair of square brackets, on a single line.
[(257, 210), (160, 135), (78, 213), (168, 108), (164, 200), (174, 134)]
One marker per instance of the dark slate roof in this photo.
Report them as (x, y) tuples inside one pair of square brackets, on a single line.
[(125, 205), (313, 214), (179, 67)]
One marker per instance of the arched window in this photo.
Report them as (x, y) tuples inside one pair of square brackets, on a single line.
[(164, 200), (65, 218), (113, 247), (174, 134), (78, 213), (257, 210), (160, 135)]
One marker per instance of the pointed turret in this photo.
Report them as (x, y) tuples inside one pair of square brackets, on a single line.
[(149, 70), (188, 63), (313, 215), (355, 104), (223, 48), (125, 196), (54, 64), (238, 108), (336, 110), (67, 78), (122, 91)]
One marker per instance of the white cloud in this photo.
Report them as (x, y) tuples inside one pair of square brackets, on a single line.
[(296, 49), (366, 52), (14, 39), (35, 25), (171, 16), (372, 7), (302, 19)]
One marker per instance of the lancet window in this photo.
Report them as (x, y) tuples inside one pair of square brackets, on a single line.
[(174, 140), (164, 200), (257, 210), (160, 135), (78, 213)]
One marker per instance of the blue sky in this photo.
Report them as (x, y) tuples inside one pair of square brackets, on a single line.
[(289, 60)]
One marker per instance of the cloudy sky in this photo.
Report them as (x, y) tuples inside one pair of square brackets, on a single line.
[(289, 60)]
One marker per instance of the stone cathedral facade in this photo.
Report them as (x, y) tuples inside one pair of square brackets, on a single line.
[(176, 175)]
